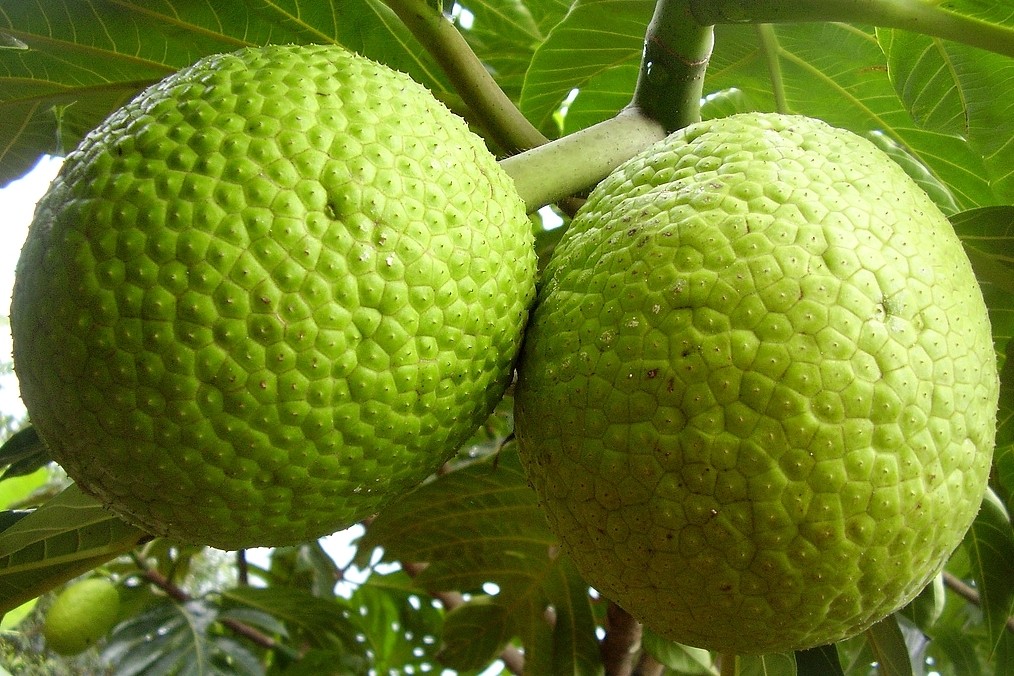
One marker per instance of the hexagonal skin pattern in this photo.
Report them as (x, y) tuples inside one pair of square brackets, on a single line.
[(273, 292), (758, 395)]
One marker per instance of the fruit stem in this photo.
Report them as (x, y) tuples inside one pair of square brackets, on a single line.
[(570, 164), (728, 664), (770, 48), (677, 49), (505, 124), (920, 16)]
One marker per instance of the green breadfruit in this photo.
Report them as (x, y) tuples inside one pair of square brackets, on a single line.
[(758, 394), (81, 614), (268, 295)]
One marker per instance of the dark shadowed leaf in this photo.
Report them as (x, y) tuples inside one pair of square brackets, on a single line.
[(819, 661), (23, 453), (990, 544), (889, 648), (321, 622)]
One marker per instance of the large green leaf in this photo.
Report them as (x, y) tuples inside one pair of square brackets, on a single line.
[(888, 645), (318, 622), (173, 639), (399, 627), (70, 534), (596, 49), (838, 72), (505, 33), (956, 89), (481, 524)]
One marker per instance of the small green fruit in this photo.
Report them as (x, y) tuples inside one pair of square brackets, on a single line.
[(758, 395), (81, 614), (268, 295)]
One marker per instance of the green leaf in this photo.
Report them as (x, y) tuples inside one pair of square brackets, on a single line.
[(819, 661), (505, 33), (597, 49), (682, 659), (17, 489), (173, 639), (23, 453), (889, 648), (480, 524), (990, 544), (70, 534), (260, 619), (321, 622), (767, 665), (82, 60), (475, 633), (927, 607), (998, 13), (988, 236), (957, 89), (838, 72), (1003, 455), (307, 566), (399, 626)]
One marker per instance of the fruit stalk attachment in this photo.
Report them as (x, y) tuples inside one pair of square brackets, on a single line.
[(677, 48), (667, 97), (918, 16), (588, 155)]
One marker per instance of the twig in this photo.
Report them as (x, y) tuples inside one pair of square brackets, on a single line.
[(620, 644), (969, 594), (181, 596), (512, 658), (648, 666), (470, 77), (928, 18), (242, 568), (728, 664)]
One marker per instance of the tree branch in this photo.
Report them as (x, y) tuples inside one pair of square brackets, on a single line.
[(620, 644), (648, 666), (570, 164), (178, 594), (969, 594), (918, 16), (677, 49)]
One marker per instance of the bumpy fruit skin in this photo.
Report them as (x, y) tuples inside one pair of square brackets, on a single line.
[(758, 395), (81, 614), (268, 295)]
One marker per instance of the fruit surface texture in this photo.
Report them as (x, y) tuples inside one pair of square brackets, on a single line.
[(81, 614), (272, 292), (758, 395)]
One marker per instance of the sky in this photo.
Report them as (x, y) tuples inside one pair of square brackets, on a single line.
[(17, 204)]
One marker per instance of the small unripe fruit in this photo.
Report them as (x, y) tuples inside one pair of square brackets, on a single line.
[(81, 614)]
